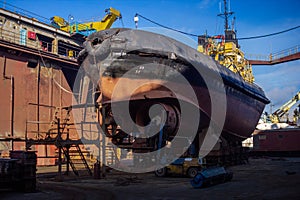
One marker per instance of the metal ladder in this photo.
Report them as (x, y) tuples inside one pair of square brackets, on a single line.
[(54, 120), (73, 162), (111, 155), (66, 149)]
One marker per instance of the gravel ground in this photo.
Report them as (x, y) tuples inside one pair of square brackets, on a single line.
[(262, 178)]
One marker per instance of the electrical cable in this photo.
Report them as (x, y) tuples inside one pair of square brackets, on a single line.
[(59, 85), (267, 35), (166, 27), (121, 19), (194, 35)]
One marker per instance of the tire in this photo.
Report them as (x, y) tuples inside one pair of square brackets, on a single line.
[(192, 172), (161, 172)]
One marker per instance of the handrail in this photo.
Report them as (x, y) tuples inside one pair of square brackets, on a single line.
[(23, 12), (62, 50), (274, 56), (285, 52)]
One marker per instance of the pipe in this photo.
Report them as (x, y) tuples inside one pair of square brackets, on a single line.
[(4, 68), (12, 101), (103, 141), (38, 97), (12, 111), (59, 149)]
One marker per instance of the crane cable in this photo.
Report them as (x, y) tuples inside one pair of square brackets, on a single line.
[(194, 35), (166, 27), (267, 35)]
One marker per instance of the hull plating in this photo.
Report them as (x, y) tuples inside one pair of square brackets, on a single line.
[(147, 62)]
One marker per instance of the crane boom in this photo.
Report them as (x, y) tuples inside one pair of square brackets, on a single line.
[(88, 27), (275, 116)]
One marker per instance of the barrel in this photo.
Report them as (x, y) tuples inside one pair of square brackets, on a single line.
[(8, 170), (26, 176)]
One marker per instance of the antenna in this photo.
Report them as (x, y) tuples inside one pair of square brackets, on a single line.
[(232, 23), (226, 14)]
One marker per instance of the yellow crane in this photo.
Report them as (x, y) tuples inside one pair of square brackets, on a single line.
[(275, 116), (89, 27)]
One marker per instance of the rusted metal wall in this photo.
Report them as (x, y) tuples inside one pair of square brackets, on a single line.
[(45, 85), (38, 68)]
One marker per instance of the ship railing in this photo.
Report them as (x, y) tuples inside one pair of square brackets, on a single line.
[(285, 52), (22, 12), (274, 56), (64, 50), (44, 129), (257, 57), (46, 132)]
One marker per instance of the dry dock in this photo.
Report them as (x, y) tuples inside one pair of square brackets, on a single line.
[(262, 178), (39, 67)]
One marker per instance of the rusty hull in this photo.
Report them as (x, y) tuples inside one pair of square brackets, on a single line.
[(110, 54)]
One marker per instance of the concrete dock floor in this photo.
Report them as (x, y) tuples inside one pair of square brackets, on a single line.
[(262, 178)]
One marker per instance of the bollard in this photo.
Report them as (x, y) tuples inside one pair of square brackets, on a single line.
[(97, 171)]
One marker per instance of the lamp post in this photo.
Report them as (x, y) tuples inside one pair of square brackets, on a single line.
[(136, 19)]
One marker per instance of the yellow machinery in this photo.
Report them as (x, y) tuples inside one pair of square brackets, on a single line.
[(275, 116), (88, 27), (227, 53), (182, 166)]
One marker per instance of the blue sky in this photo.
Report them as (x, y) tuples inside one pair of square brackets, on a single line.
[(255, 17)]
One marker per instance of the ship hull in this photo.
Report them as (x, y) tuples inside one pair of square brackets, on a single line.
[(147, 72)]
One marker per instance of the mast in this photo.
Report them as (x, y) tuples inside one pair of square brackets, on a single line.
[(230, 34), (226, 14)]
